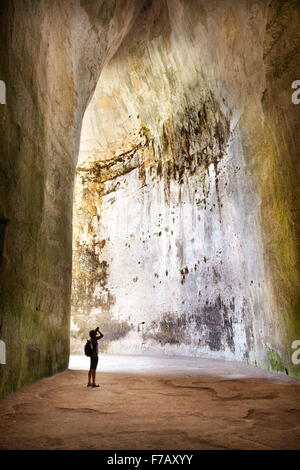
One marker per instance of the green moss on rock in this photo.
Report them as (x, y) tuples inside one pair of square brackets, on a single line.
[(275, 360)]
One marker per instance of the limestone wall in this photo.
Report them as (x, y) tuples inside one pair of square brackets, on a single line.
[(51, 56), (192, 120), (184, 242)]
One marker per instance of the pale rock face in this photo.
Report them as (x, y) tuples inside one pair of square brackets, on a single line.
[(170, 251), (51, 57)]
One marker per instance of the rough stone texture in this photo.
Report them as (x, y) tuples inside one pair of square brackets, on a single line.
[(187, 202), (203, 75), (51, 56), (175, 403)]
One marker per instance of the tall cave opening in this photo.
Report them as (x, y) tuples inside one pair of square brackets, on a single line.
[(167, 244), (185, 223), (186, 214)]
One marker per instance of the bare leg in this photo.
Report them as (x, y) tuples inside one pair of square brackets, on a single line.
[(94, 377), (89, 376)]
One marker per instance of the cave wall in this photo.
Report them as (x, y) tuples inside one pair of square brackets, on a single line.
[(51, 55), (186, 233), (208, 87)]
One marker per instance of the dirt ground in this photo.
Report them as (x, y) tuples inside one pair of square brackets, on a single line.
[(187, 408)]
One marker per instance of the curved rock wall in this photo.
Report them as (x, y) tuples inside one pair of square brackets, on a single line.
[(183, 241), (51, 55), (194, 122)]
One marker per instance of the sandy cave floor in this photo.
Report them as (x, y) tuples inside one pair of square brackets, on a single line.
[(149, 402)]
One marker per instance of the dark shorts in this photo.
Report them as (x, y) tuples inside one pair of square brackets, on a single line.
[(94, 363)]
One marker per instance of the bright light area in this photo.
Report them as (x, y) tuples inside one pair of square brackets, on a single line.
[(174, 365)]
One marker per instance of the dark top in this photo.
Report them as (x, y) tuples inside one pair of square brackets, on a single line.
[(95, 347)]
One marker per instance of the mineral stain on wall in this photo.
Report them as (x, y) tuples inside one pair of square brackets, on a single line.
[(187, 185), (146, 193), (170, 176), (190, 141)]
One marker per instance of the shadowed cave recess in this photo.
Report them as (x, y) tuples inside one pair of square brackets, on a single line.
[(174, 120)]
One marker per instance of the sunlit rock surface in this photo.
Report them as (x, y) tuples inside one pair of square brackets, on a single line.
[(183, 242)]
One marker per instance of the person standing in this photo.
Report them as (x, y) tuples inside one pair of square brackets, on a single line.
[(95, 336)]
